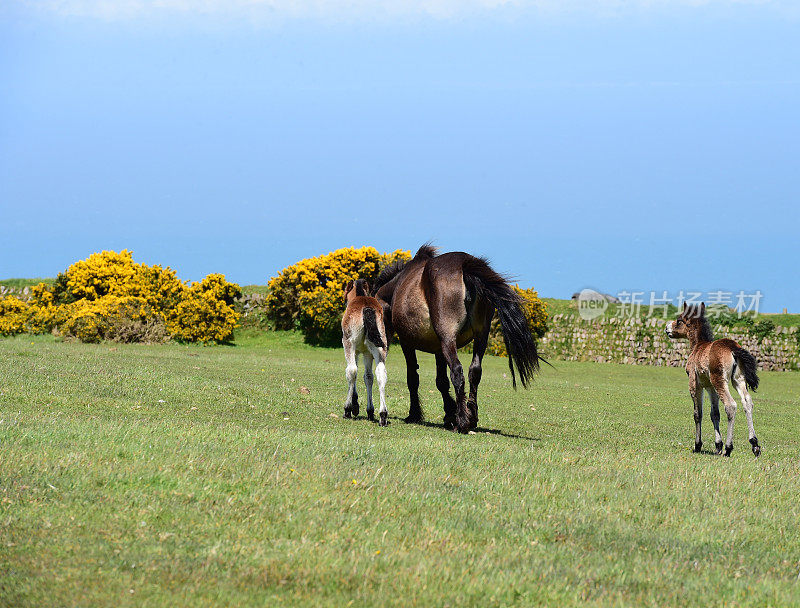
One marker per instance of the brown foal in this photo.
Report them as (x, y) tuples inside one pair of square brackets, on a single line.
[(711, 366), (364, 333)]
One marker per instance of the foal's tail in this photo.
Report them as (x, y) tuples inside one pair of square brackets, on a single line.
[(749, 367), (520, 345), (371, 327)]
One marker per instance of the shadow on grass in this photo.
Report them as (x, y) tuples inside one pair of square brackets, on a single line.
[(706, 452), (479, 430)]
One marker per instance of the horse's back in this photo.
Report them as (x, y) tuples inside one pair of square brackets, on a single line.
[(353, 319), (430, 301), (713, 362)]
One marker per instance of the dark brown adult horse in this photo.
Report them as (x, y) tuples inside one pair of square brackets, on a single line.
[(439, 303)]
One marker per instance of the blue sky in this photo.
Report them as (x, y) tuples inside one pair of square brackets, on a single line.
[(638, 145)]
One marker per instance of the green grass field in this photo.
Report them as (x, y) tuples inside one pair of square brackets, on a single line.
[(188, 476), (22, 283)]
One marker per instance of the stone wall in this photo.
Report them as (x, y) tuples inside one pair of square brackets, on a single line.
[(643, 342)]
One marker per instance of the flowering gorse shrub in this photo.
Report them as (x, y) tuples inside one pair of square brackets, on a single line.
[(308, 294), (536, 314), (203, 315), (112, 273), (109, 296), (13, 315)]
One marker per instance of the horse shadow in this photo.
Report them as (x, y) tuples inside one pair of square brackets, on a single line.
[(479, 430)]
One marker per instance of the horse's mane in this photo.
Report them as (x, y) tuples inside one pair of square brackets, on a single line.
[(695, 316), (361, 289), (388, 273), (706, 334), (426, 252)]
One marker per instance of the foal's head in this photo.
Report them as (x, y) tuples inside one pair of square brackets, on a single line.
[(691, 324), (354, 289)]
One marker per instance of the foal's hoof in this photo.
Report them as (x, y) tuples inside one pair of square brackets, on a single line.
[(698, 446), (413, 419), (384, 419), (347, 413), (718, 445), (728, 449), (449, 423), (371, 415), (756, 447)]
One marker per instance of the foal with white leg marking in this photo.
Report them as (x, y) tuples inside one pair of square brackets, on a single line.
[(712, 364), (364, 332)]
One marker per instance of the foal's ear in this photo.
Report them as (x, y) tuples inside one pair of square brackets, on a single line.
[(684, 306), (347, 289), (366, 287), (702, 309)]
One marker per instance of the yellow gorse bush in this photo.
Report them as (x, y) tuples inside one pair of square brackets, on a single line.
[(308, 294), (13, 315), (206, 312), (110, 296)]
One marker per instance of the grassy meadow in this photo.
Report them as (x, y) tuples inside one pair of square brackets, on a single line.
[(175, 475)]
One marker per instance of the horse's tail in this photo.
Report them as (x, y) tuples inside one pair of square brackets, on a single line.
[(520, 344), (749, 366), (371, 327)]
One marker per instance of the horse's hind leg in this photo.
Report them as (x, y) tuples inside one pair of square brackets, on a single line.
[(443, 384), (730, 409), (714, 398), (412, 379), (747, 403), (368, 383), (379, 354), (465, 419), (476, 371), (351, 357)]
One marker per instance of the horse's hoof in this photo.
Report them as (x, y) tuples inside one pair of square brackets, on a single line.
[(463, 426), (384, 419), (756, 447), (449, 423), (728, 449), (371, 415), (698, 446), (347, 413), (718, 445), (413, 419)]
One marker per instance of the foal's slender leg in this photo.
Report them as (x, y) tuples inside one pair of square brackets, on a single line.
[(443, 384), (730, 409), (475, 371), (697, 398), (714, 398), (351, 357), (412, 379), (379, 354), (464, 417), (368, 384), (747, 403)]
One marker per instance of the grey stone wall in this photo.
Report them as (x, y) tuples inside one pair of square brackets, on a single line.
[(643, 342)]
